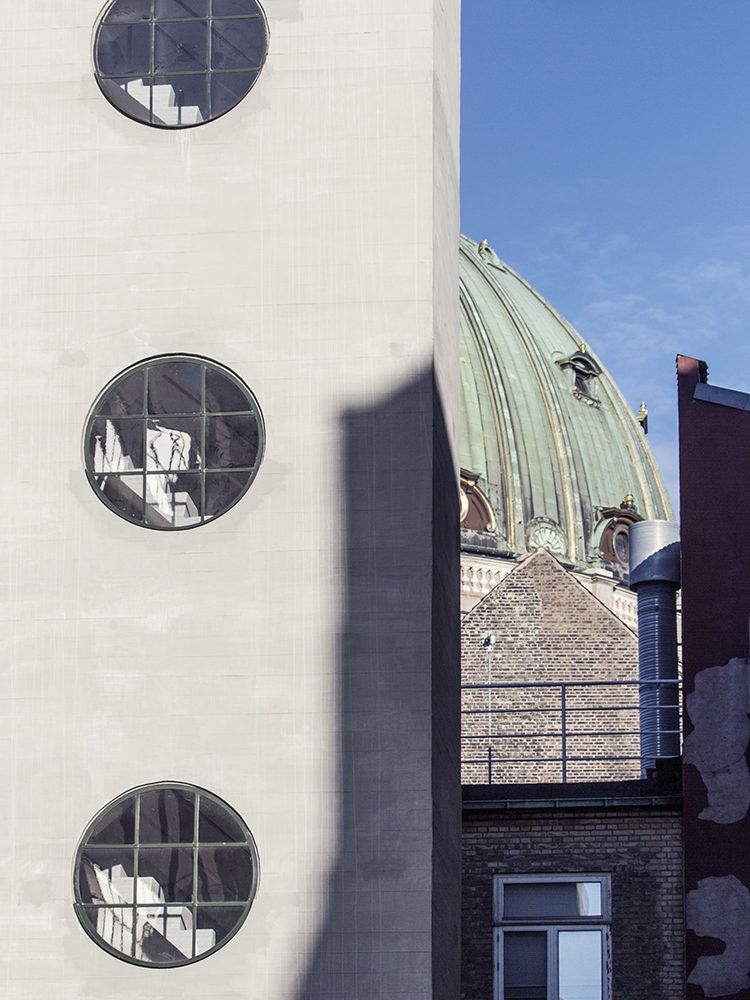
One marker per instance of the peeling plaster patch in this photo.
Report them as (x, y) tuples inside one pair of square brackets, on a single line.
[(720, 908), (718, 710)]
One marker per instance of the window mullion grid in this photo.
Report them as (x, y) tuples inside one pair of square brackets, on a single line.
[(135, 869), (152, 70), (209, 57), (553, 956), (145, 438), (203, 438), (195, 858)]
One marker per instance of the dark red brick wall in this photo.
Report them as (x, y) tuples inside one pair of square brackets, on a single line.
[(714, 458), (641, 847)]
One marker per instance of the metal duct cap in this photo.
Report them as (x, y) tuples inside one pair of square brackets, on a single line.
[(654, 552)]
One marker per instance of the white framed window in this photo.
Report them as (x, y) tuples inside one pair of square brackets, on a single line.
[(552, 937)]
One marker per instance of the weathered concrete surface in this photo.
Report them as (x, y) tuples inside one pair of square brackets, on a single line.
[(720, 908), (718, 710)]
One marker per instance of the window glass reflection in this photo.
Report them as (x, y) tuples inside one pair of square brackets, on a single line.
[(223, 489), (180, 46), (117, 826), (107, 876), (165, 874), (116, 445), (213, 924), (580, 965), (153, 65), (231, 442), (525, 965), (174, 387), (225, 874), (150, 467), (173, 444), (167, 816), (180, 8), (113, 925), (129, 10), (143, 902), (216, 825), (554, 900), (125, 50)]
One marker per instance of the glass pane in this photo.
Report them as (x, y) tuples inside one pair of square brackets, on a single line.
[(165, 875), (225, 874), (167, 816), (231, 442), (525, 965), (117, 825), (229, 88), (130, 10), (173, 500), (116, 445), (548, 900), (580, 965), (222, 489), (174, 387), (181, 100), (113, 924), (106, 875), (216, 825), (124, 49), (173, 444), (163, 934), (237, 44), (132, 96), (224, 8), (222, 394), (125, 493), (127, 395), (213, 923), (180, 8), (182, 46)]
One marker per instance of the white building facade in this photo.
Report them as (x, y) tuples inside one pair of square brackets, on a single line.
[(297, 656)]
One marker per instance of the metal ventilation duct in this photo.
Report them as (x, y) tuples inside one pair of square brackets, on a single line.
[(655, 577)]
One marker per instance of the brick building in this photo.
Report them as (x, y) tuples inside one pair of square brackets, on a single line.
[(630, 832)]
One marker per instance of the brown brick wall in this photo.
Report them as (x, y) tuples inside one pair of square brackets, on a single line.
[(547, 627), (641, 847)]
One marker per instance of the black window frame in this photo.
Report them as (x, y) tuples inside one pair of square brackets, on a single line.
[(133, 109), (82, 907), (149, 518)]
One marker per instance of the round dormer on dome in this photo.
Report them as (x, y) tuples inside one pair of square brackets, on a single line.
[(551, 453)]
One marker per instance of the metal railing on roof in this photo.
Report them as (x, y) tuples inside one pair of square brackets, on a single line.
[(548, 731)]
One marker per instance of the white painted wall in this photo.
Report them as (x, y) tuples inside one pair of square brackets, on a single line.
[(293, 240)]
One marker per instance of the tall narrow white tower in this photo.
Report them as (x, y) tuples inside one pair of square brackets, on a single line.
[(230, 672)]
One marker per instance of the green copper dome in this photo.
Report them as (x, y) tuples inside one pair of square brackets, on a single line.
[(551, 454)]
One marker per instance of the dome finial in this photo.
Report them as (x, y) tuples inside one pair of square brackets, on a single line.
[(628, 501), (642, 418)]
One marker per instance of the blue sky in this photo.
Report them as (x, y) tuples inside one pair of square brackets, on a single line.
[(605, 156)]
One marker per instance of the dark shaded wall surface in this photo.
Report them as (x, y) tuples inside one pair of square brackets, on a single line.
[(714, 498), (394, 893)]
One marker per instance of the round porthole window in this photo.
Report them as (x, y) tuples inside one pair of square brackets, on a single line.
[(179, 63), (165, 875), (173, 442)]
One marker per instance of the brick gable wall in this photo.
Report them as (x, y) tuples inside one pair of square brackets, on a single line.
[(547, 628)]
